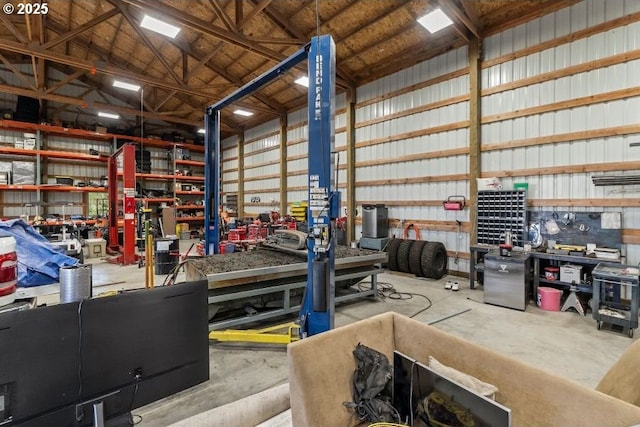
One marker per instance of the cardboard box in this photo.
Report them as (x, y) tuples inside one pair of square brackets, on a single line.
[(570, 273)]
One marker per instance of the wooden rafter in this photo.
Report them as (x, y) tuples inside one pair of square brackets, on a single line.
[(205, 27), (65, 81), (12, 29), (239, 10), (469, 7), (123, 9), (253, 13), (81, 29), (459, 17), (219, 10), (27, 81), (113, 41)]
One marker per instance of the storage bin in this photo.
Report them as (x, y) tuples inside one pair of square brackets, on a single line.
[(549, 298), (97, 248)]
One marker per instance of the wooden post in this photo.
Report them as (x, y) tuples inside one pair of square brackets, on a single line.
[(351, 165), (284, 184), (240, 206), (475, 47)]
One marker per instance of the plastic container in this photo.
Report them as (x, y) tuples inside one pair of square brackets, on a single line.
[(230, 248), (549, 298), (552, 273)]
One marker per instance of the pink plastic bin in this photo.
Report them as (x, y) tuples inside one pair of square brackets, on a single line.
[(549, 298)]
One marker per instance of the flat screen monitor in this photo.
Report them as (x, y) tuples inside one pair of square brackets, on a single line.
[(414, 381), (120, 352)]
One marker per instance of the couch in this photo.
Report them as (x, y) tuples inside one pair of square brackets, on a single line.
[(320, 370)]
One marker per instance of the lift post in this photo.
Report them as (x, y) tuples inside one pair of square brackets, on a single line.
[(127, 154), (317, 311)]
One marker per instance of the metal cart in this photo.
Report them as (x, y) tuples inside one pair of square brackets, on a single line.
[(615, 296)]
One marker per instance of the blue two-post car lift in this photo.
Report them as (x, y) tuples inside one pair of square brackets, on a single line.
[(317, 312)]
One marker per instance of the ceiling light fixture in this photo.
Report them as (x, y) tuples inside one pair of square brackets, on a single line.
[(243, 113), (302, 81), (108, 115), (159, 26), (435, 20), (200, 130), (124, 85)]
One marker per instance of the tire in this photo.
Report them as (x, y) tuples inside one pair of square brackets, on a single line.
[(434, 260), (392, 248), (403, 255), (415, 253)]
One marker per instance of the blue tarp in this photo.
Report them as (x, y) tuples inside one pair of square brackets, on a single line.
[(39, 262)]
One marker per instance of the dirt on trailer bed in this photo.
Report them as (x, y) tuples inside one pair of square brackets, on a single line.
[(260, 258)]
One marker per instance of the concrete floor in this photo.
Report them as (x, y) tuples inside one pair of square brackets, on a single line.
[(563, 343)]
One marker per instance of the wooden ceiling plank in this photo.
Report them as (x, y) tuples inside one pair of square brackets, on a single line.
[(66, 80), (457, 15), (27, 19), (26, 80), (217, 8), (125, 12), (81, 29), (201, 26), (12, 29), (253, 13), (282, 22), (185, 67)]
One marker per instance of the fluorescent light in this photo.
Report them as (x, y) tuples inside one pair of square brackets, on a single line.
[(159, 26), (243, 113), (303, 81), (200, 130), (108, 115), (125, 85), (435, 21)]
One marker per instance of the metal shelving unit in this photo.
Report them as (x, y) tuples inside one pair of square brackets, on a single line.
[(500, 211)]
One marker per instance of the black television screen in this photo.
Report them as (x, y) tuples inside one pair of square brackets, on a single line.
[(125, 351)]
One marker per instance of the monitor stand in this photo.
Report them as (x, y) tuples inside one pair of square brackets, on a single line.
[(99, 420)]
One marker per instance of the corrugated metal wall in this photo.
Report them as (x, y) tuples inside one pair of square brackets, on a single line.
[(579, 87), (551, 104)]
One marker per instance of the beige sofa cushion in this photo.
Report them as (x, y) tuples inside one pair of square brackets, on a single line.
[(320, 370), (622, 380)]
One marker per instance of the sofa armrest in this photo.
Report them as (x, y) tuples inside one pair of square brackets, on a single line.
[(621, 380), (321, 369)]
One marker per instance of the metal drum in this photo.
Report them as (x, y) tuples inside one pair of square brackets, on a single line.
[(75, 283), (166, 254)]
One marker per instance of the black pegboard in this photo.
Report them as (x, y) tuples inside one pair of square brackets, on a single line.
[(602, 228), (501, 211)]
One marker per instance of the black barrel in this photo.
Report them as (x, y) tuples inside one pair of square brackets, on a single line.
[(166, 254)]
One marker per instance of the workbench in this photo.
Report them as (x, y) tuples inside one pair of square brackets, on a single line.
[(476, 267)]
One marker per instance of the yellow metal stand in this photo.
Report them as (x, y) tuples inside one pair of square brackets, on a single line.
[(289, 332)]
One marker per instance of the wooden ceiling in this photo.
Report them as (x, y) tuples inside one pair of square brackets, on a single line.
[(223, 44)]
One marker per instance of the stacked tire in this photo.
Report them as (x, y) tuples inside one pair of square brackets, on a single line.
[(419, 257)]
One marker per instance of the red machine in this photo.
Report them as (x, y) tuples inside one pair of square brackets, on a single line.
[(125, 160)]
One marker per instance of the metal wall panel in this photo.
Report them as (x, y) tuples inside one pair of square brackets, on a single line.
[(563, 156)]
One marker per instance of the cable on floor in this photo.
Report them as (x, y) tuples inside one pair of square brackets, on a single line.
[(386, 290)]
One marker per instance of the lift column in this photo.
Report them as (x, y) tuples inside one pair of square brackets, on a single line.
[(317, 314)]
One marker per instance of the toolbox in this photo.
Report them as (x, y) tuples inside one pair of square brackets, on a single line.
[(570, 273)]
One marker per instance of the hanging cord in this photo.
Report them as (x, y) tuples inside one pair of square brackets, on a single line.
[(456, 260)]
